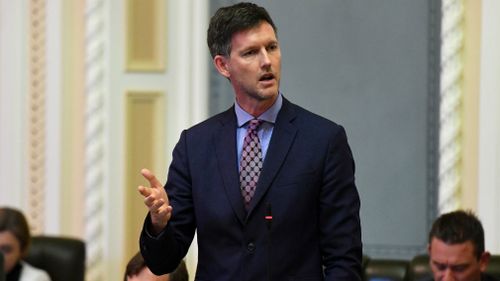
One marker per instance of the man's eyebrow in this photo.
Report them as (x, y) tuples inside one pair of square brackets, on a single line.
[(459, 265), (6, 247), (437, 263), (449, 265)]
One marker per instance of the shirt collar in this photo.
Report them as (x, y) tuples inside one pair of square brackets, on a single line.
[(269, 115)]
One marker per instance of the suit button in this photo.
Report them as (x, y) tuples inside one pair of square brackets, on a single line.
[(251, 247)]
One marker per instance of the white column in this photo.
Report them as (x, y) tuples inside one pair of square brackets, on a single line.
[(95, 138), (53, 118), (190, 72), (13, 30), (200, 70), (489, 126), (450, 107)]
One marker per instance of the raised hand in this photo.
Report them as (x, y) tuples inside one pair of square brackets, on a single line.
[(156, 199)]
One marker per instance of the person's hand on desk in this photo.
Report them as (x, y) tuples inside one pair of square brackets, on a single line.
[(156, 199)]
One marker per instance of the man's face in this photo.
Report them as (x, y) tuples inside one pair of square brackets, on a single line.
[(456, 262), (11, 250), (254, 64)]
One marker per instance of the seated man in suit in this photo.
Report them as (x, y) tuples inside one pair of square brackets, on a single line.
[(456, 248), (138, 271)]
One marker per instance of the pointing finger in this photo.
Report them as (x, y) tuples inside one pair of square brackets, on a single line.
[(153, 181)]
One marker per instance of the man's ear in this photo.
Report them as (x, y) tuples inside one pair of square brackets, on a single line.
[(221, 65), (484, 260), (429, 253)]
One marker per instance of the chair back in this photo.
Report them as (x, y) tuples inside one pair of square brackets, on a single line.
[(2, 274), (386, 270), (63, 258), (420, 268), (494, 266)]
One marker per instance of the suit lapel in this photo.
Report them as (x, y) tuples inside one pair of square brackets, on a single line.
[(284, 133), (225, 146)]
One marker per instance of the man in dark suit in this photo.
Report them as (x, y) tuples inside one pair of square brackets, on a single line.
[(456, 248), (268, 186)]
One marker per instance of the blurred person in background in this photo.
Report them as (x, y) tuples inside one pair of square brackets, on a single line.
[(456, 248), (15, 239), (138, 271)]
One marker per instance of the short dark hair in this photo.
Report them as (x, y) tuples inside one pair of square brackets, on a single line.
[(134, 266), (137, 263), (13, 220), (231, 19), (459, 227)]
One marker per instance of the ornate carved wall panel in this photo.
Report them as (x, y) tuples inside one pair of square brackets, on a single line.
[(145, 35), (145, 121), (36, 112)]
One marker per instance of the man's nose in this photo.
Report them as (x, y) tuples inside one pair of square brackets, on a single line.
[(448, 275), (265, 59)]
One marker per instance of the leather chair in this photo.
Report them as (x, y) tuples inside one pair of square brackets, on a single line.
[(385, 270), (494, 266), (419, 268), (2, 274), (62, 258)]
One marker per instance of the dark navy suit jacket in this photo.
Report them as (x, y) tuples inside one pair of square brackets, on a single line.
[(484, 277), (307, 183)]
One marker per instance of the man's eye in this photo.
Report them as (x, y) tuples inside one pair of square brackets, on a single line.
[(248, 53), (458, 268), (440, 267), (6, 249)]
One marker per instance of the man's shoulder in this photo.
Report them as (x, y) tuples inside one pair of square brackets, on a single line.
[(309, 121), (488, 277), (222, 118), (299, 115)]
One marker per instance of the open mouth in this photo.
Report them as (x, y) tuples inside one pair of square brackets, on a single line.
[(267, 77)]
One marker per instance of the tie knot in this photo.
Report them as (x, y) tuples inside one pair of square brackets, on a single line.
[(254, 124)]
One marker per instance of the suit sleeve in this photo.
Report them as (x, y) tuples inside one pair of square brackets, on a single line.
[(339, 213), (163, 252)]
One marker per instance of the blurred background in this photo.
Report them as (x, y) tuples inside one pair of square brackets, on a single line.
[(91, 91)]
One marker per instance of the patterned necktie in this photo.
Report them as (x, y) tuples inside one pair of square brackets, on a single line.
[(251, 161)]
